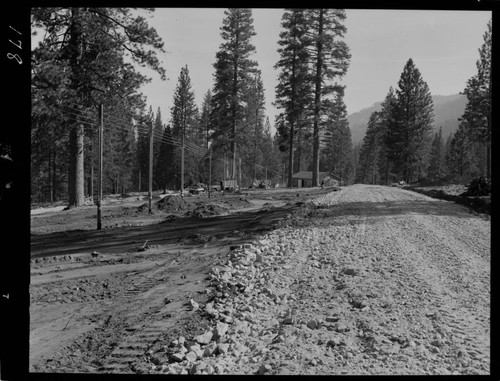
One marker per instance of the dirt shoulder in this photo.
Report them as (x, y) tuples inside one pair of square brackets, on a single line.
[(454, 193), (101, 299)]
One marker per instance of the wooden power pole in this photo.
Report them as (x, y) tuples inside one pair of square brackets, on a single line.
[(224, 174), (182, 164), (150, 174), (210, 172), (239, 172), (99, 168)]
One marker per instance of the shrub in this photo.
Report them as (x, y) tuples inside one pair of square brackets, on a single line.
[(480, 186)]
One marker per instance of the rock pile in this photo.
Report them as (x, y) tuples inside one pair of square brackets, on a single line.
[(234, 287)]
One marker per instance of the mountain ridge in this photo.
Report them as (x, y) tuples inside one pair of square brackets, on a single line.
[(447, 110)]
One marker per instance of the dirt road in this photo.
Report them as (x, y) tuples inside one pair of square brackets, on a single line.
[(366, 280)]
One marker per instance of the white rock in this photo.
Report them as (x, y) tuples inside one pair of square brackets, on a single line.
[(194, 305), (191, 356), (222, 348), (204, 338), (209, 308), (220, 330), (178, 357), (209, 350)]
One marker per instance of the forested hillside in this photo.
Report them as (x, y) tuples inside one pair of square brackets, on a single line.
[(447, 110)]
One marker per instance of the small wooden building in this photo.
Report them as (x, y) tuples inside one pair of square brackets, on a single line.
[(303, 179)]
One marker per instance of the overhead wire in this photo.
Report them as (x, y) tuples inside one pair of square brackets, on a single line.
[(118, 124)]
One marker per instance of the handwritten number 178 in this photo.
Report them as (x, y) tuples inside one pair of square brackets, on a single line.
[(18, 45)]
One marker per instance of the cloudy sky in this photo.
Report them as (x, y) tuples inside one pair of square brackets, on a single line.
[(443, 44)]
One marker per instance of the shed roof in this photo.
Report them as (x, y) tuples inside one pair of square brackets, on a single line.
[(307, 175)]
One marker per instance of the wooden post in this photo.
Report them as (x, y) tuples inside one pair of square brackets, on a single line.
[(224, 174), (209, 172), (283, 176), (99, 168), (92, 180), (150, 174), (182, 164), (239, 172)]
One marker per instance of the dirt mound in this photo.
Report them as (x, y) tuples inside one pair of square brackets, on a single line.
[(174, 204), (480, 204), (209, 210), (237, 202)]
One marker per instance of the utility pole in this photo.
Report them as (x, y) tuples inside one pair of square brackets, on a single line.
[(283, 175), (92, 180), (99, 168), (239, 172), (182, 164), (224, 174), (150, 185), (209, 172)]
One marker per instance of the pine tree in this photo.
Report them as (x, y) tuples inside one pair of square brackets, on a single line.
[(184, 126), (168, 170), (355, 160), (293, 92), (88, 45), (233, 70), (436, 156), (477, 114), (204, 122), (368, 164), (387, 152), (251, 134), (413, 124), (338, 144), (458, 157), (330, 58)]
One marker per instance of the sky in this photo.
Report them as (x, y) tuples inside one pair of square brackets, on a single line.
[(443, 45)]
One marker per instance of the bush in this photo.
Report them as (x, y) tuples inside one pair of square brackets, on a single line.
[(480, 186)]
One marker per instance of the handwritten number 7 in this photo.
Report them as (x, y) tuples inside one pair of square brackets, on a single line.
[(16, 45)]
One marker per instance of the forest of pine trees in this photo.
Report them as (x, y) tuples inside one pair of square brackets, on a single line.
[(88, 57)]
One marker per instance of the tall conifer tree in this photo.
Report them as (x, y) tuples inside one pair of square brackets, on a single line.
[(412, 129), (293, 92), (233, 70), (330, 59)]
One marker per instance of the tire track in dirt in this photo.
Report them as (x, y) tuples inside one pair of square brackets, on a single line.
[(390, 251), (142, 308), (458, 289)]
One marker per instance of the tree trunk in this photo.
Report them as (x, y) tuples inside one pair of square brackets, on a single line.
[(488, 160), (317, 102), (290, 157), (54, 176), (51, 191), (76, 172)]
